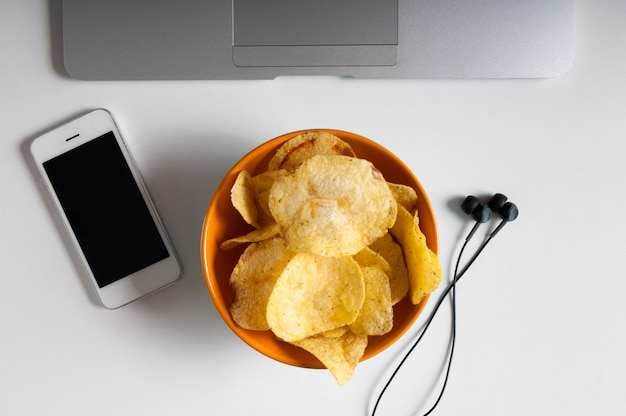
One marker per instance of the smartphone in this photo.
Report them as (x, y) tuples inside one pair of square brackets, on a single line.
[(106, 209)]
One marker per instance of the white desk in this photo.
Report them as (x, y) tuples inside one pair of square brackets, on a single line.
[(540, 326)]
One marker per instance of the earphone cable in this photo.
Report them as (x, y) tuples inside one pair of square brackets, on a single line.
[(453, 341), (451, 287)]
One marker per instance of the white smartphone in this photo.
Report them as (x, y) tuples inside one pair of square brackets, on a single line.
[(106, 209)]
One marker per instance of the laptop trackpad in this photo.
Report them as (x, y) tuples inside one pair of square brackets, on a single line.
[(315, 33)]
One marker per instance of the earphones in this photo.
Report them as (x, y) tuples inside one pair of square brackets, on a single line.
[(481, 213)]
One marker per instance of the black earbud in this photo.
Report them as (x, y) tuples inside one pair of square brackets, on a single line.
[(469, 204), (474, 208), (508, 212), (497, 201), (481, 213)]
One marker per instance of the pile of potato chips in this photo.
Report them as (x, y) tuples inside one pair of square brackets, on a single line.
[(334, 247)]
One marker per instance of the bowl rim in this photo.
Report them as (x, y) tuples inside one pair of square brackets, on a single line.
[(282, 351)]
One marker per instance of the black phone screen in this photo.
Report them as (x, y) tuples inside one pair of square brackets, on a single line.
[(105, 209)]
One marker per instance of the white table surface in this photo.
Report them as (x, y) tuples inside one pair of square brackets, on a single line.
[(540, 325)]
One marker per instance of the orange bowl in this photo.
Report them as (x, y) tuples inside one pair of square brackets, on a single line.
[(222, 222)]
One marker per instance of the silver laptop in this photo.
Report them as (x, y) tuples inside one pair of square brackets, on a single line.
[(264, 39)]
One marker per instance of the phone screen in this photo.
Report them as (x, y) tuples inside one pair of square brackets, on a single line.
[(105, 209)]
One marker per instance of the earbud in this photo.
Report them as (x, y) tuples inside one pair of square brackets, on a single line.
[(508, 212), (479, 212), (469, 204), (497, 201)]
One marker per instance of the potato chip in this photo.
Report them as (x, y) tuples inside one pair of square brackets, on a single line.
[(369, 258), (337, 332), (315, 294), (332, 205), (243, 198), (422, 264), (404, 195), (391, 251), (261, 184), (376, 314), (299, 148), (253, 279), (339, 354), (268, 231)]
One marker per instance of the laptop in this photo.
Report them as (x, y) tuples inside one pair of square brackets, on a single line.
[(265, 39)]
